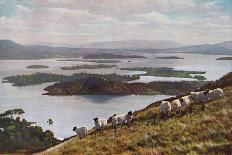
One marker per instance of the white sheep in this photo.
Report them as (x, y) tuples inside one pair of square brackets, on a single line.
[(194, 96), (100, 123), (175, 105), (114, 120), (165, 107), (125, 118), (215, 94), (198, 96), (81, 132), (185, 101)]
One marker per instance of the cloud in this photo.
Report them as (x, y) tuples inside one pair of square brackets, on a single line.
[(76, 22)]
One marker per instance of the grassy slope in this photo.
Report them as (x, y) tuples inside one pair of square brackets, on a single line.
[(199, 132)]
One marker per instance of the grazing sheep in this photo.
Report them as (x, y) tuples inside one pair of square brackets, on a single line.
[(100, 123), (215, 94), (206, 93), (125, 118), (165, 107), (81, 132), (175, 104), (185, 101), (202, 97), (194, 96), (198, 96), (114, 120)]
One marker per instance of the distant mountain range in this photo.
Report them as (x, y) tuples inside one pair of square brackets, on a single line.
[(225, 44), (133, 44), (223, 48), (12, 50)]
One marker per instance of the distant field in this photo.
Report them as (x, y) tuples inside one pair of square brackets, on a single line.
[(224, 58), (37, 66), (87, 67), (169, 72)]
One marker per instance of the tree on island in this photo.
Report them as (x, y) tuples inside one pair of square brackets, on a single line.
[(11, 113)]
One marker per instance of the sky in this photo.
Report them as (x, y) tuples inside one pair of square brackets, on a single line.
[(77, 22)]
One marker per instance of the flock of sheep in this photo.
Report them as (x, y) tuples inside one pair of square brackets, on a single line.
[(165, 108), (192, 97), (103, 123)]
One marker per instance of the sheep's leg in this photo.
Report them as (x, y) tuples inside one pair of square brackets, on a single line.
[(203, 106), (190, 108)]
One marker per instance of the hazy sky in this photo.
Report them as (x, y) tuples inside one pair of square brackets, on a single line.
[(75, 22)]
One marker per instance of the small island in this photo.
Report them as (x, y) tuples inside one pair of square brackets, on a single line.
[(37, 66), (169, 72), (81, 60), (111, 56), (101, 86), (87, 67), (39, 78), (224, 58), (96, 61), (169, 57), (107, 61), (20, 136)]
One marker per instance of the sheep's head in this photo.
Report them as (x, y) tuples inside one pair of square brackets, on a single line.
[(109, 120), (74, 128), (114, 115), (181, 100), (130, 113), (206, 91), (95, 119), (129, 116), (190, 97)]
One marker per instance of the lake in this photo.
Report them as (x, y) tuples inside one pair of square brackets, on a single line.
[(70, 111)]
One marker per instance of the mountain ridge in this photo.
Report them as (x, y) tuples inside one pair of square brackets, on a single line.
[(10, 50), (133, 44)]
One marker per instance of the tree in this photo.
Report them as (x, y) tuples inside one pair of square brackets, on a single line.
[(8, 113), (18, 111)]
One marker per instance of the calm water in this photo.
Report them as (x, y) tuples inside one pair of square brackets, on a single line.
[(69, 111)]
